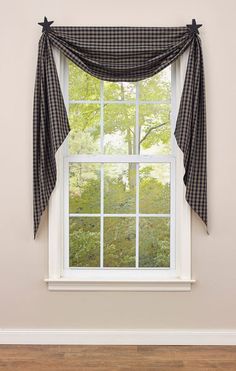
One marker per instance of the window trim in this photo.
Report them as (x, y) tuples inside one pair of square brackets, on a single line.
[(110, 279)]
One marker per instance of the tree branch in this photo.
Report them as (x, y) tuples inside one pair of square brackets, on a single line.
[(151, 129)]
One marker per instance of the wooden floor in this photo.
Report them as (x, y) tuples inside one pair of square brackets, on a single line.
[(108, 358)]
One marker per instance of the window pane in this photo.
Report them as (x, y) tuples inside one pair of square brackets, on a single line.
[(119, 188), (155, 129), (119, 129), (154, 242), (119, 90), (84, 182), (84, 136), (85, 242), (154, 188), (119, 242), (82, 86), (157, 87)]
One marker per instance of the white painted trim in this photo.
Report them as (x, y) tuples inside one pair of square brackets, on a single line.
[(119, 102), (70, 284), (183, 211), (121, 158), (55, 219), (118, 337)]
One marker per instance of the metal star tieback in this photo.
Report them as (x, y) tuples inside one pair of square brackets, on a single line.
[(46, 25), (194, 27)]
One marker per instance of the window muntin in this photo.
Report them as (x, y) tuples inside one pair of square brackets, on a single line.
[(119, 174)]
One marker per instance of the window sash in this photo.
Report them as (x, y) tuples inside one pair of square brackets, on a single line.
[(137, 215), (104, 158), (119, 159), (136, 102)]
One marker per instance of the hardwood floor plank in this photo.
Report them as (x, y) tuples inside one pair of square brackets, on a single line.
[(117, 358)]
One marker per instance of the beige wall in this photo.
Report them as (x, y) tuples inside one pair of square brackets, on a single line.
[(25, 300)]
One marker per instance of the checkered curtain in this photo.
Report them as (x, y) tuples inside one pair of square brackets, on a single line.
[(119, 54)]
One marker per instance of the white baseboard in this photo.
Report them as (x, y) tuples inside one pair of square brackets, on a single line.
[(118, 337)]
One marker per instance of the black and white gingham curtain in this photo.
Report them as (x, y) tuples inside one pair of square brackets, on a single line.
[(119, 54)]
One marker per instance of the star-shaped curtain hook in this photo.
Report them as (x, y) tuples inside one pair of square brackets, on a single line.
[(194, 27), (46, 25)]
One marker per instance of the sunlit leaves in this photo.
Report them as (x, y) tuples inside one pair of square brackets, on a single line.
[(82, 86), (119, 129), (156, 88), (84, 120), (84, 188), (119, 242), (154, 237), (154, 121), (84, 242), (154, 189), (119, 91), (119, 188)]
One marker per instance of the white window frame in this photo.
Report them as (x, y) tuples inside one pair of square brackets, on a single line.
[(177, 278)]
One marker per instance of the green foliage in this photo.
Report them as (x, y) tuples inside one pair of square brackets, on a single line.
[(84, 242), (154, 193), (119, 90), (119, 121), (119, 242), (156, 88), (154, 242), (119, 190), (154, 121), (82, 85), (84, 180), (85, 128)]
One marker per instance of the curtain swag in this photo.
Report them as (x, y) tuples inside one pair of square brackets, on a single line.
[(119, 54)]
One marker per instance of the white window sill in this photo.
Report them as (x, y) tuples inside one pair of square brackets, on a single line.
[(68, 284)]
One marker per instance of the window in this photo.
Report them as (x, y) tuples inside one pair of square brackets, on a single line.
[(117, 215)]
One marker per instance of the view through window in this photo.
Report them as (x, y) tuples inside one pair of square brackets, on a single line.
[(119, 173)]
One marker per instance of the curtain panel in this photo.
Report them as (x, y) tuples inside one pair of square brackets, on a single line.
[(119, 54)]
